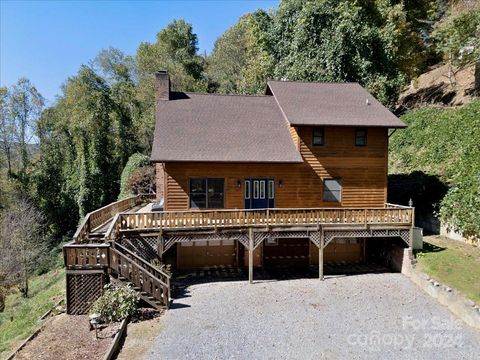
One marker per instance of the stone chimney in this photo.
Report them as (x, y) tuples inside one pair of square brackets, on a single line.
[(162, 85)]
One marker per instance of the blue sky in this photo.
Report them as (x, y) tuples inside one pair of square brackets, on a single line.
[(47, 41)]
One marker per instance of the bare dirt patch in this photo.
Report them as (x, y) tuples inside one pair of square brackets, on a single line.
[(142, 330), (439, 86), (68, 337)]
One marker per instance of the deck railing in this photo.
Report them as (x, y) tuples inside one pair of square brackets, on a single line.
[(147, 280), (96, 218), (86, 256), (112, 257), (215, 219)]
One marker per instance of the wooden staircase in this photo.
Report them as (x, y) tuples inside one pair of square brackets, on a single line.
[(124, 266), (151, 283)]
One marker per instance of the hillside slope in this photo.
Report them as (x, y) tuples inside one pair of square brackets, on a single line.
[(444, 143), (439, 86)]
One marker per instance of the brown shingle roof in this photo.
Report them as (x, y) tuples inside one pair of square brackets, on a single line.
[(230, 128), (331, 104)]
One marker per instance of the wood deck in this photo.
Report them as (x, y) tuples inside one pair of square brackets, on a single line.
[(392, 216), (97, 244)]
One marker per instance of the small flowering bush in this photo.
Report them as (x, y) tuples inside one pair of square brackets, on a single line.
[(116, 303)]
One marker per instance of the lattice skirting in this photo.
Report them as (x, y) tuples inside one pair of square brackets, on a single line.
[(314, 236), (144, 246), (83, 288), (403, 234)]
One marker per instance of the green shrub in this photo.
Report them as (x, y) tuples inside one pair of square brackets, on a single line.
[(116, 303), (134, 162)]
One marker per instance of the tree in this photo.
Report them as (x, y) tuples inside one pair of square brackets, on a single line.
[(240, 62), (142, 181), (120, 72), (176, 51), (7, 129), (366, 42), (85, 107), (54, 187), (135, 162), (21, 245), (26, 104), (457, 39)]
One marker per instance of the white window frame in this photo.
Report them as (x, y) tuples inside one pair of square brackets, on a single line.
[(255, 189), (247, 189), (271, 189), (262, 189)]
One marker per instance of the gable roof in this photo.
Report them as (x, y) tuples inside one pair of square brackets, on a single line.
[(222, 128), (255, 129), (330, 104)]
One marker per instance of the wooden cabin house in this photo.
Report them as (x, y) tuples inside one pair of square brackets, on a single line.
[(295, 177), (302, 145)]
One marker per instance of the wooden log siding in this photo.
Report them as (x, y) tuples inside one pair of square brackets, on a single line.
[(218, 219), (362, 169)]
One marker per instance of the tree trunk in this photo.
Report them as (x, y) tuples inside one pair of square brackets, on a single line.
[(476, 88), (3, 293), (9, 163)]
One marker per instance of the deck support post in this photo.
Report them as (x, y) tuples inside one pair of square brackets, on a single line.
[(320, 258), (160, 246), (250, 255)]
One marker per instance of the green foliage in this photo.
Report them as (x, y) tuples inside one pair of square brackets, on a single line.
[(176, 51), (104, 115), (116, 303), (134, 162), (445, 142), (375, 43), (453, 263), (240, 62), (457, 37), (366, 42)]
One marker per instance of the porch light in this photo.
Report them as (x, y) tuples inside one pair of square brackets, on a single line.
[(239, 184), (280, 183)]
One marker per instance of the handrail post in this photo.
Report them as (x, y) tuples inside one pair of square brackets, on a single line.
[(250, 254)]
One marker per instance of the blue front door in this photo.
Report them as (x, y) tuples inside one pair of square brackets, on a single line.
[(259, 193)]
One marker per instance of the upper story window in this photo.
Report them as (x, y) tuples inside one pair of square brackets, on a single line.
[(207, 193), (318, 136), (360, 137), (332, 190)]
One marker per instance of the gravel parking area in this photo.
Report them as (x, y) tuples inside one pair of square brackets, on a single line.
[(372, 316)]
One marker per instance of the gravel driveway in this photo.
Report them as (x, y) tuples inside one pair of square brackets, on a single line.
[(373, 316)]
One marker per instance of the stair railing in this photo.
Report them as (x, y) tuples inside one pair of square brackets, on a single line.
[(150, 279)]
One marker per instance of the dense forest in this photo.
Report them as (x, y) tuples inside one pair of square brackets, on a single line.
[(62, 161)]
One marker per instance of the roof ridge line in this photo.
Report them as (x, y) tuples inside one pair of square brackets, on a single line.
[(289, 124), (316, 82), (217, 94)]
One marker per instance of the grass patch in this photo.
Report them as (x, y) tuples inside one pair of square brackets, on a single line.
[(453, 263), (21, 317)]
